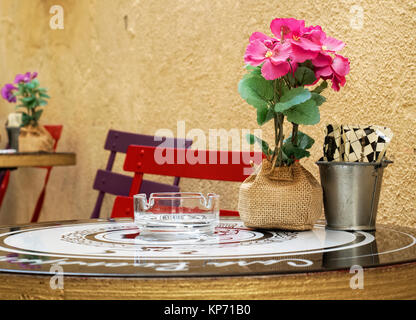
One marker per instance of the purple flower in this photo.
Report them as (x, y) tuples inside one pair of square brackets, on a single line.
[(7, 92), (27, 77)]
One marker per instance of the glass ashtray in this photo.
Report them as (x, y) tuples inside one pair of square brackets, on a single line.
[(176, 214)]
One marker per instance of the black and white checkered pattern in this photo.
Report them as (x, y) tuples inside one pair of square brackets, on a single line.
[(333, 144), (356, 143)]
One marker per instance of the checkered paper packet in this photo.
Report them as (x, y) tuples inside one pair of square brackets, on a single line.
[(334, 143), (350, 143)]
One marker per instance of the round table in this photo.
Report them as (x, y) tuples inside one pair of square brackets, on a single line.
[(37, 159), (110, 259)]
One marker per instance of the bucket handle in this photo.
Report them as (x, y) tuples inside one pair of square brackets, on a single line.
[(383, 163)]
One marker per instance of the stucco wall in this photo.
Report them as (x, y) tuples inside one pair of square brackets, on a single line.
[(144, 65)]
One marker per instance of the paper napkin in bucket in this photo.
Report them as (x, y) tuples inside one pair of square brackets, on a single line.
[(354, 143)]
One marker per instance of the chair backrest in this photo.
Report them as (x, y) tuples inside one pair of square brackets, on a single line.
[(55, 131), (198, 164), (117, 184)]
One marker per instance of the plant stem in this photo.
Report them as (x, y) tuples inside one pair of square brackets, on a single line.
[(280, 121), (295, 128)]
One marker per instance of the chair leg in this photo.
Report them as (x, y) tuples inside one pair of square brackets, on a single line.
[(176, 181), (96, 212), (4, 184), (39, 203)]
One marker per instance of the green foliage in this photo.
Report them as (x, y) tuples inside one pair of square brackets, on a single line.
[(304, 76), (252, 139), (321, 87), (264, 114), (298, 150), (292, 98), (318, 98), (256, 90), (302, 140), (305, 113), (293, 153), (285, 97), (32, 98)]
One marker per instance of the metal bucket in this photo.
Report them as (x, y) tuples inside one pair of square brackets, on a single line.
[(351, 193)]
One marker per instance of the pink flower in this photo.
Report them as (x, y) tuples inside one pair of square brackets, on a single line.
[(315, 45), (269, 52), (27, 77), (7, 92), (288, 27), (335, 71)]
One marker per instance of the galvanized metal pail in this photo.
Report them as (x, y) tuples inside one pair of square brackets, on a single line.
[(351, 193)]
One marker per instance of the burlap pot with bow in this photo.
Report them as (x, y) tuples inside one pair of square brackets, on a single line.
[(287, 198), (35, 139)]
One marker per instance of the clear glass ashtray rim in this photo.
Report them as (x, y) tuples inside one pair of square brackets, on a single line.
[(176, 195)]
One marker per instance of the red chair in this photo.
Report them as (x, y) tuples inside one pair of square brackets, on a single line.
[(55, 131), (227, 166), (113, 183)]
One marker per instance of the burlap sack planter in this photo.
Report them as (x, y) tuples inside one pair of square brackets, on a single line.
[(287, 198), (35, 139)]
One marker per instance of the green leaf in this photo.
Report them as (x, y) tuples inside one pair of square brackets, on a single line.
[(303, 140), (304, 113), (256, 90), (292, 98), (44, 95), (31, 84), (305, 76), (37, 114), (27, 100), (307, 63), (42, 102), (321, 87), (25, 119), (35, 83), (32, 105), (318, 98), (293, 151), (253, 70), (251, 139), (264, 115), (291, 79), (261, 115)]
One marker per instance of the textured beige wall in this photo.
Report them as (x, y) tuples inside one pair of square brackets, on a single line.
[(144, 65)]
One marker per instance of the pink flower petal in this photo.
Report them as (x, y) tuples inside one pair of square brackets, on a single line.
[(316, 35), (333, 44), (281, 53), (322, 60), (307, 30), (288, 25), (335, 84), (341, 65), (307, 44), (272, 71), (324, 73), (299, 54), (255, 53), (259, 36)]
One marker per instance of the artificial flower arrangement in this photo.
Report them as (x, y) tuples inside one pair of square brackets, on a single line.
[(26, 89), (282, 194), (31, 97), (279, 70)]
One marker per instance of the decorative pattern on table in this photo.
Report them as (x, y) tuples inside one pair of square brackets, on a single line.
[(118, 248)]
